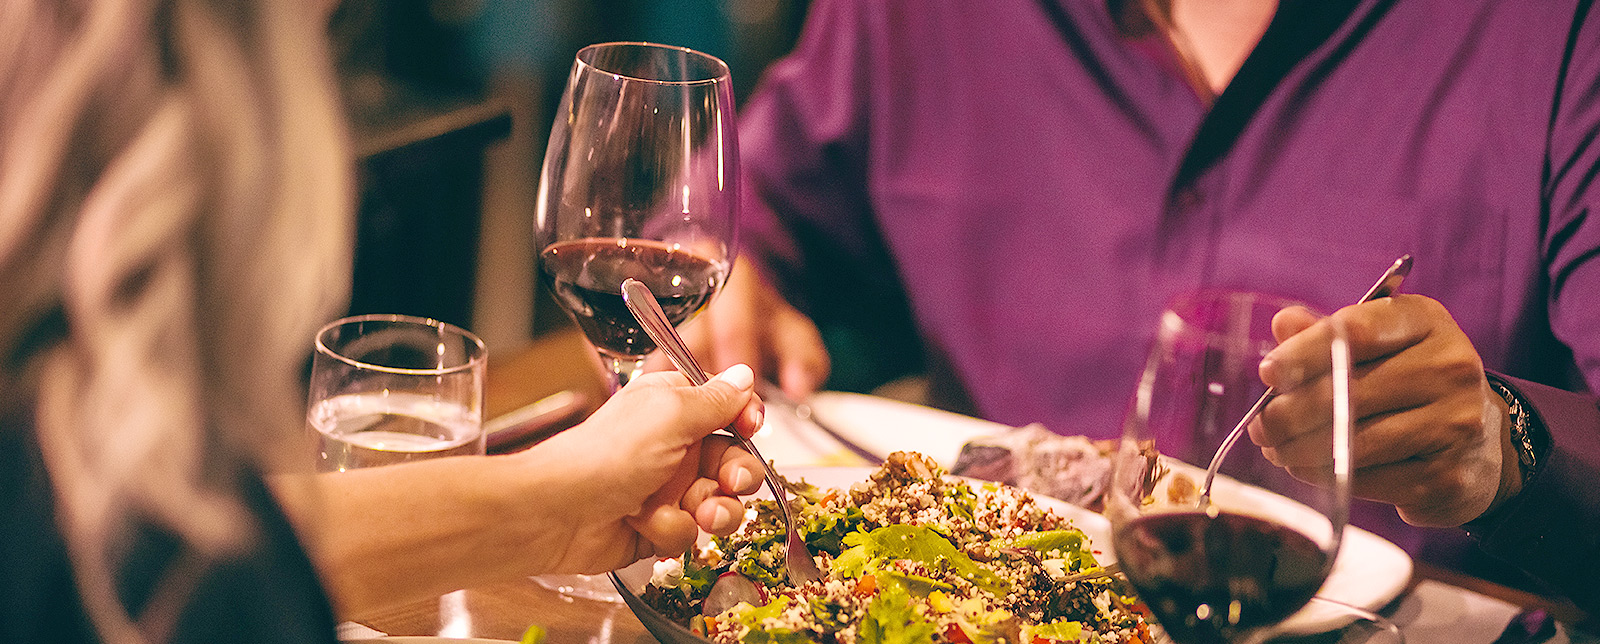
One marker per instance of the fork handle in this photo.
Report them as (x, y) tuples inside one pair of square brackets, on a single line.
[(648, 311)]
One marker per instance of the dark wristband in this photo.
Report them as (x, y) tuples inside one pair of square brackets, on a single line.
[(1528, 437)]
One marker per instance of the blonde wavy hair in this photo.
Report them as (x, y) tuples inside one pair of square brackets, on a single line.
[(174, 223)]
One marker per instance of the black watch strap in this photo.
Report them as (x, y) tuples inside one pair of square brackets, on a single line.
[(1527, 434)]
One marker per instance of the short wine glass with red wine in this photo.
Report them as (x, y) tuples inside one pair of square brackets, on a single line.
[(1230, 569), (640, 180)]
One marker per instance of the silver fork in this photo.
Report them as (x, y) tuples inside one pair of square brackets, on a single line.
[(802, 568), (1387, 285)]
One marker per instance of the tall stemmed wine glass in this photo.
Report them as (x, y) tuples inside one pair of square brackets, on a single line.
[(1231, 569), (640, 181)]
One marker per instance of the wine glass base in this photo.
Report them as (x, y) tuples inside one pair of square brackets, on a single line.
[(1353, 625), (591, 587)]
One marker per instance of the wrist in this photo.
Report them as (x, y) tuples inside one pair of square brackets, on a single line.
[(546, 486)]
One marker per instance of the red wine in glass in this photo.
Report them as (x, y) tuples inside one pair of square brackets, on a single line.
[(1212, 578), (586, 276)]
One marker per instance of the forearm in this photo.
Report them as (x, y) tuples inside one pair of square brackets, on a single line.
[(618, 487), (386, 536), (1548, 528)]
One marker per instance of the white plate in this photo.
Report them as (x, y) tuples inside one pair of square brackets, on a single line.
[(881, 425), (1369, 572)]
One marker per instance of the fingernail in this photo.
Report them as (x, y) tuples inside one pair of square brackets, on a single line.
[(739, 375), (721, 518), (1271, 369), (741, 478), (755, 415)]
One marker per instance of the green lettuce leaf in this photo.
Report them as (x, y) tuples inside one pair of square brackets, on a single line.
[(753, 616), (868, 551), (826, 531), (1070, 544), (891, 620), (1067, 541), (917, 585)]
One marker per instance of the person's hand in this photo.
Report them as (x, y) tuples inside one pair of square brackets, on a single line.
[(751, 323), (1431, 436), (642, 475)]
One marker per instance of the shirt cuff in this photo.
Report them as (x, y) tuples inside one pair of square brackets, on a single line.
[(1549, 529)]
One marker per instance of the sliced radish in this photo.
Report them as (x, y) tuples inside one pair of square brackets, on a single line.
[(730, 589)]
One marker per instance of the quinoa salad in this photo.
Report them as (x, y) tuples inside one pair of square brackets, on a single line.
[(909, 556)]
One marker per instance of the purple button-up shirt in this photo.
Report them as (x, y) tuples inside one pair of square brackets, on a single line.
[(1039, 184)]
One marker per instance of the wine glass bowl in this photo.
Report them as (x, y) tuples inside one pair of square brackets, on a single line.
[(1228, 571), (641, 181), (577, 271)]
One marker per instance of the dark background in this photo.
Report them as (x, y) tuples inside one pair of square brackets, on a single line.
[(450, 102)]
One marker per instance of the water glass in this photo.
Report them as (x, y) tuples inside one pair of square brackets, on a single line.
[(394, 388)]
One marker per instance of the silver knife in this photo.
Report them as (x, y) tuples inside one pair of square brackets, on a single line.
[(774, 396)]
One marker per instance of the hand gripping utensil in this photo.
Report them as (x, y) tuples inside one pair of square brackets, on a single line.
[(1388, 284), (802, 568)]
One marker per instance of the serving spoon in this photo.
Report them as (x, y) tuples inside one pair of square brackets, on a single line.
[(1387, 285), (802, 568)]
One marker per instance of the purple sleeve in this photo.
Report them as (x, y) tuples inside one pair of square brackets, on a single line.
[(1552, 529), (1571, 244), (807, 217)]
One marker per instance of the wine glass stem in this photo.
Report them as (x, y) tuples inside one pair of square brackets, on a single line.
[(623, 369)]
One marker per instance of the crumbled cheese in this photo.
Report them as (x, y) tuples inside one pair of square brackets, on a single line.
[(667, 573), (1057, 568)]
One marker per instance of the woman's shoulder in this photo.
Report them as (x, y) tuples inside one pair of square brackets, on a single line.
[(267, 592)]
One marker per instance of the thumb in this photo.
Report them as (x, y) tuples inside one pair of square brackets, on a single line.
[(723, 399)]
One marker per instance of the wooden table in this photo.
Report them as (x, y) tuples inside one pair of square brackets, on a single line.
[(505, 611)]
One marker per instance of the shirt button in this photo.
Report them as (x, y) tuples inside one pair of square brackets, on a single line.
[(1187, 198)]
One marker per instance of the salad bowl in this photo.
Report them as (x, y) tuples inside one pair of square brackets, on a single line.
[(632, 581)]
